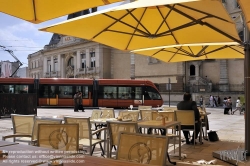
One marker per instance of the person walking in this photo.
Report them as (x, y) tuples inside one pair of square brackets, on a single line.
[(201, 101), (229, 105), (80, 106), (76, 105), (211, 100), (238, 105), (225, 106)]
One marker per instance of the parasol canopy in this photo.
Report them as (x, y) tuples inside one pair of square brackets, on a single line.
[(37, 11)]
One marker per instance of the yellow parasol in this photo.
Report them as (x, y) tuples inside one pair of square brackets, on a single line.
[(191, 52), (245, 6), (37, 11), (127, 27)]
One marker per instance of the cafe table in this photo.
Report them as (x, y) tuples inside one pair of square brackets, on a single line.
[(87, 160), (159, 125), (7, 143), (23, 155)]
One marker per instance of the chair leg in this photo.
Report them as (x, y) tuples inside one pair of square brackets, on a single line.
[(174, 163), (102, 149), (92, 150)]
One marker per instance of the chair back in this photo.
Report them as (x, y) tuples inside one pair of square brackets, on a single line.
[(22, 124), (169, 109), (129, 115), (59, 136), (116, 127), (141, 107), (186, 117), (84, 126), (168, 115), (96, 114), (42, 121), (142, 148), (146, 114), (108, 113)]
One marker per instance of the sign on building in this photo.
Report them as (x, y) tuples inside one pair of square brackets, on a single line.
[(6, 69)]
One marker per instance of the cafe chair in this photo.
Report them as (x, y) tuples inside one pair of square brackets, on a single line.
[(64, 137), (96, 114), (86, 134), (39, 120), (114, 129), (141, 148), (187, 119), (129, 115), (169, 109), (107, 113), (22, 128), (146, 114), (143, 107)]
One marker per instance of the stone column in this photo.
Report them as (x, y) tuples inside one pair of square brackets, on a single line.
[(52, 64), (223, 76), (197, 71), (75, 63), (132, 65), (44, 66), (63, 66), (78, 60), (59, 68)]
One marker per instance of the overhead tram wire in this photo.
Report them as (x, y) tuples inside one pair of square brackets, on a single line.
[(12, 54)]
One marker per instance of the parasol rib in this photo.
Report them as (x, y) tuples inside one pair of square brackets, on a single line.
[(174, 54), (134, 32), (34, 10), (201, 51), (164, 21)]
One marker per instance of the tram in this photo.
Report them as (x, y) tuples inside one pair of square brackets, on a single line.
[(116, 93)]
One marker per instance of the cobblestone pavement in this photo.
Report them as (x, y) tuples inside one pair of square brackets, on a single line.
[(230, 129)]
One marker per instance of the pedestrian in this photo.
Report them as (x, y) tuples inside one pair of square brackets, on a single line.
[(80, 106), (225, 106), (76, 105), (201, 101), (238, 105), (229, 105), (211, 100), (219, 100)]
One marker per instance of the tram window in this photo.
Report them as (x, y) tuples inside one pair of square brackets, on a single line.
[(151, 93), (19, 89), (44, 91), (109, 92), (7, 88), (65, 91), (84, 90), (138, 93), (124, 92)]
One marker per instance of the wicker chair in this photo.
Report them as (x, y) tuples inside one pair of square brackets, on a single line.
[(59, 136), (146, 114), (96, 114), (129, 115), (187, 118), (140, 148), (85, 133), (169, 109), (107, 113), (116, 127), (22, 128), (143, 107)]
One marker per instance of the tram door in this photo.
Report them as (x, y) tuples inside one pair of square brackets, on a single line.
[(52, 95)]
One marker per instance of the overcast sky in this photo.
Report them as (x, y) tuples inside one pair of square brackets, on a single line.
[(23, 38)]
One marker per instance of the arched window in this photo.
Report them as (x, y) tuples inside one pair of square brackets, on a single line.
[(192, 70)]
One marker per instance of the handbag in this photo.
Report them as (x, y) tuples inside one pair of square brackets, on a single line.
[(212, 136)]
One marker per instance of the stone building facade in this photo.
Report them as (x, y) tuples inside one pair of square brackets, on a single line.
[(69, 57)]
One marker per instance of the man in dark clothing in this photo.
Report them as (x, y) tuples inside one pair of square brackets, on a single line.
[(188, 104)]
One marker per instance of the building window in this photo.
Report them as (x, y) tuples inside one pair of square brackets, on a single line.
[(152, 60), (55, 64), (48, 65), (83, 59), (192, 70), (36, 63), (92, 58)]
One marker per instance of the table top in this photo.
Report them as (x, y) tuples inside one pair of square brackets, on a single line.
[(157, 124), (7, 143), (102, 120), (21, 154), (94, 161)]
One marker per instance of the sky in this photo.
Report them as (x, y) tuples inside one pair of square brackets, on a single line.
[(24, 38)]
